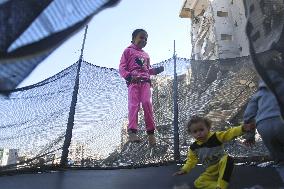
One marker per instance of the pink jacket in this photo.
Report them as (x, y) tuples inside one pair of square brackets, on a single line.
[(135, 63)]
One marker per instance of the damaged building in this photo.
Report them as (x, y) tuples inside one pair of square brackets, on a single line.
[(217, 28)]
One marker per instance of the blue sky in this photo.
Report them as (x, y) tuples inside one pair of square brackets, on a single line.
[(110, 32)]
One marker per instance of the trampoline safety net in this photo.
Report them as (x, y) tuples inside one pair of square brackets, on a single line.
[(34, 119)]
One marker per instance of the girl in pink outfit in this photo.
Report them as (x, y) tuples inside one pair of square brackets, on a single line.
[(136, 70)]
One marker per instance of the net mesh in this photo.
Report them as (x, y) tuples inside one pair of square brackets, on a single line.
[(34, 119), (31, 30)]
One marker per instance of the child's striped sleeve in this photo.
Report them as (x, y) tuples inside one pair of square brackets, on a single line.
[(230, 134), (190, 162)]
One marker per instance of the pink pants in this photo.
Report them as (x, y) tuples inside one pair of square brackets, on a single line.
[(140, 93)]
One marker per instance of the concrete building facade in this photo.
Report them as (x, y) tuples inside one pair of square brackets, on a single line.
[(217, 28)]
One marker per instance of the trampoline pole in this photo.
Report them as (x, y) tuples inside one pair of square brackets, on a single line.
[(175, 96), (70, 124)]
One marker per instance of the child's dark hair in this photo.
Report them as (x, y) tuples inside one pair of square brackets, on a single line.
[(135, 33), (196, 119)]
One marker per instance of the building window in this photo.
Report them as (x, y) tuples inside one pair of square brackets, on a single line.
[(226, 37), (222, 14)]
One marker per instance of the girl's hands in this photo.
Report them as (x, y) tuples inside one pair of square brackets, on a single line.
[(159, 69)]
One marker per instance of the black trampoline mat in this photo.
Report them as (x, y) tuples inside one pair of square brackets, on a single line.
[(142, 178)]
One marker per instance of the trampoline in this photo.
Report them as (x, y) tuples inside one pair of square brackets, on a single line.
[(140, 178), (67, 100)]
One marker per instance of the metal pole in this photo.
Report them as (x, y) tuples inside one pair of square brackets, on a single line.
[(175, 94), (83, 44), (70, 124)]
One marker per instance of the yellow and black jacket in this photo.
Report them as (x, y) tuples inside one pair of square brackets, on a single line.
[(210, 152)]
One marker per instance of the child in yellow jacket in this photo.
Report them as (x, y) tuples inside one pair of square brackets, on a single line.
[(208, 149)]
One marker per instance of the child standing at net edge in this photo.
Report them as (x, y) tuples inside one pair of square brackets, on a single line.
[(136, 70), (208, 149)]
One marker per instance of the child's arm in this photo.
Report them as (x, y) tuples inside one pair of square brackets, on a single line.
[(123, 71), (249, 118), (154, 71), (251, 109), (225, 136), (190, 163)]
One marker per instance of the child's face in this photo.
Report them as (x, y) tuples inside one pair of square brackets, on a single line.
[(199, 131), (140, 40)]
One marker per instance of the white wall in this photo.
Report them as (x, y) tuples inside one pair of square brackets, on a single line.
[(224, 26), (238, 15), (10, 156)]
